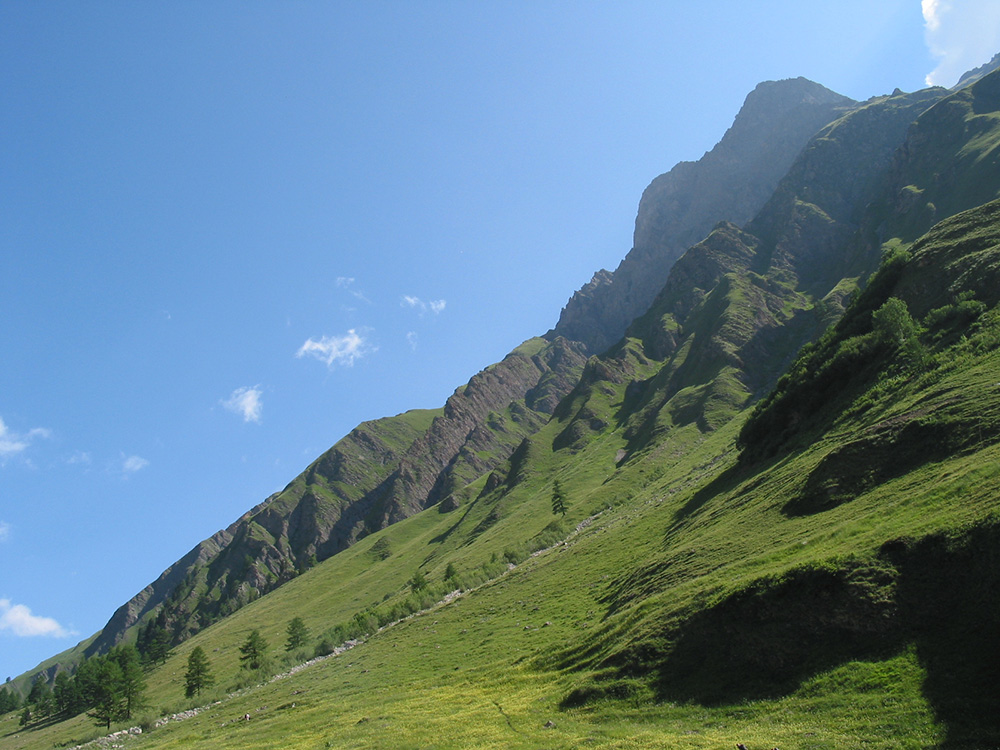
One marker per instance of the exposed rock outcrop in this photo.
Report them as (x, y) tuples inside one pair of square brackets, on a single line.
[(383, 471), (729, 183)]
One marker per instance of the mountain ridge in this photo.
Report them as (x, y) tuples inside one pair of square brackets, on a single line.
[(656, 437), (731, 183), (453, 445)]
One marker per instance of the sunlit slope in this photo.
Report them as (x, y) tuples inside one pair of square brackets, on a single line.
[(796, 560), (698, 598), (381, 472)]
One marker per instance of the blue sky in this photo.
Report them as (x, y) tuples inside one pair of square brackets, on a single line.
[(230, 232)]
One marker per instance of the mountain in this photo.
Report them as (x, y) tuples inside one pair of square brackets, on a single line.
[(975, 74), (388, 469), (782, 518), (380, 473), (729, 183)]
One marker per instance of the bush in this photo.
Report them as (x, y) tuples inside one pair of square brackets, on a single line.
[(325, 647)]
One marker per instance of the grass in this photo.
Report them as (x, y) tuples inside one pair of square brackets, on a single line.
[(666, 540), (833, 587)]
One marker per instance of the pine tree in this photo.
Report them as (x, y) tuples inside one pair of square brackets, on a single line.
[(199, 674), (418, 581), (133, 683), (9, 701), (40, 697), (69, 699), (298, 634), (558, 499), (253, 653), (107, 696), (153, 640)]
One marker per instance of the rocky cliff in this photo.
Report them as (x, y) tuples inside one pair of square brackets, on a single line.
[(696, 356), (729, 183), (383, 471)]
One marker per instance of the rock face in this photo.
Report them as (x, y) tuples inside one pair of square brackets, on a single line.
[(806, 226), (729, 183), (389, 469), (382, 472), (732, 311)]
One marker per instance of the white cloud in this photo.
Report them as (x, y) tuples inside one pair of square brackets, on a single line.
[(246, 402), (411, 339), (18, 619), (932, 10), (4, 531), (346, 282), (12, 443), (339, 350), (436, 306), (132, 464), (961, 35), (79, 458)]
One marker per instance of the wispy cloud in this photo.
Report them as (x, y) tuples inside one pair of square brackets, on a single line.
[(337, 350), (4, 531), (435, 306), (132, 464), (246, 402), (411, 339), (18, 619), (961, 35), (13, 443), (347, 283), (79, 458)]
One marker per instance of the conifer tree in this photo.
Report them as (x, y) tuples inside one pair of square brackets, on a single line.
[(40, 698), (69, 699), (199, 674), (153, 640), (106, 696), (298, 634), (558, 499), (133, 683), (9, 701), (253, 653)]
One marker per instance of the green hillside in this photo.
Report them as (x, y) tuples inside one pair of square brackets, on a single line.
[(692, 598), (782, 505)]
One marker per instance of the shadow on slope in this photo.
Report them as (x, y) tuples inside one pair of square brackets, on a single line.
[(764, 640)]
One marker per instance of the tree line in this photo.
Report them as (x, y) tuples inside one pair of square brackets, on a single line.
[(111, 688)]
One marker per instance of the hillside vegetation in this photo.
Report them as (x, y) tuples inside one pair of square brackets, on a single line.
[(782, 519)]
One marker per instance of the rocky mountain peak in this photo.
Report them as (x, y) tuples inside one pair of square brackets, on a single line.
[(678, 209)]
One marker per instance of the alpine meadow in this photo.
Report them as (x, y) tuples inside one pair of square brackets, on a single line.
[(746, 490)]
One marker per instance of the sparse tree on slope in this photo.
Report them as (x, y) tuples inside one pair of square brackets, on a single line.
[(153, 641), (418, 581), (253, 653), (298, 634), (199, 675), (40, 698), (558, 499), (133, 683)]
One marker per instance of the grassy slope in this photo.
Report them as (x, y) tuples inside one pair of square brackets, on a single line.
[(615, 636), (782, 600)]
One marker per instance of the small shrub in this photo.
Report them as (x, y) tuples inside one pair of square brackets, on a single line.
[(147, 722), (325, 647)]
